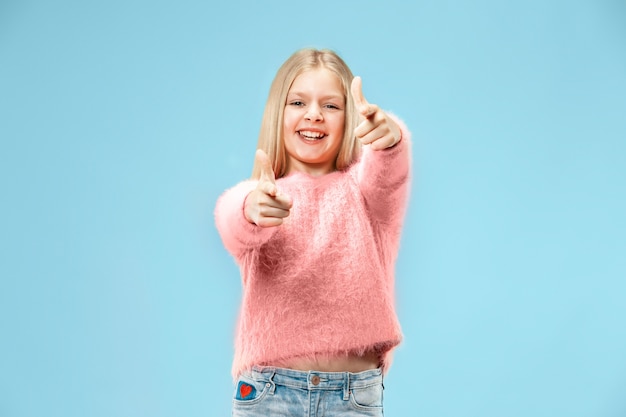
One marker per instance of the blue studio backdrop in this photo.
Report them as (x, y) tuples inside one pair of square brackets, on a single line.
[(121, 123)]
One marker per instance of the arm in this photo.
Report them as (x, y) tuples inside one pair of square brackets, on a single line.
[(384, 169), (384, 176)]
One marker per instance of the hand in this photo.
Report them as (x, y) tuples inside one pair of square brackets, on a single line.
[(377, 129), (265, 206)]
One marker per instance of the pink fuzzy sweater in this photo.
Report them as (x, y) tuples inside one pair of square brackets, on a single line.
[(322, 283)]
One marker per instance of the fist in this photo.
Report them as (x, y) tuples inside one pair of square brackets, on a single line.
[(376, 128), (265, 206)]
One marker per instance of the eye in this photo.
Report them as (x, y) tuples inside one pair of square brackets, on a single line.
[(332, 107), (296, 103)]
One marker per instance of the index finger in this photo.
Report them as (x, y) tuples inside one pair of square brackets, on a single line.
[(267, 172), (362, 105)]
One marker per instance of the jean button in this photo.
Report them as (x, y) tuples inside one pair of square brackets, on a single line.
[(315, 380)]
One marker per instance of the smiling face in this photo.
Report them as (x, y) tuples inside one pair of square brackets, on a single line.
[(313, 122)]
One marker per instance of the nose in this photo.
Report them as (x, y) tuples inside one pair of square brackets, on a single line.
[(313, 113)]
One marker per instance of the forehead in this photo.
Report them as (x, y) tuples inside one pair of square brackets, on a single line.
[(317, 80)]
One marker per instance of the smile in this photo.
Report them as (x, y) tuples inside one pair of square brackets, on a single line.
[(309, 135)]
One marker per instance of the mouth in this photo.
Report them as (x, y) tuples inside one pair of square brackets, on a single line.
[(310, 135)]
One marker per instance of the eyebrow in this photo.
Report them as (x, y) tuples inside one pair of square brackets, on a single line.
[(330, 96)]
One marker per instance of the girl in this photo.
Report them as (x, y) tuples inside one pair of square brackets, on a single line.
[(316, 233)]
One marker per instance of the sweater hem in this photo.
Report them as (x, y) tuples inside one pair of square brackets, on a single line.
[(382, 349)]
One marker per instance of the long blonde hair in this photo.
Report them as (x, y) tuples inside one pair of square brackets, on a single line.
[(271, 132)]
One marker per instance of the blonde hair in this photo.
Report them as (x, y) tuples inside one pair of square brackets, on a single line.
[(271, 132)]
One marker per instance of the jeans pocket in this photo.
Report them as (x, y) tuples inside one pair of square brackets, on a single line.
[(367, 398), (250, 391)]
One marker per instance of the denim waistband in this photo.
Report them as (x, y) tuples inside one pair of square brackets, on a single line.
[(315, 380)]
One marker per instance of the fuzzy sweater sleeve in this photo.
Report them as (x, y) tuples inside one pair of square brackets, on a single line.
[(383, 178), (238, 235)]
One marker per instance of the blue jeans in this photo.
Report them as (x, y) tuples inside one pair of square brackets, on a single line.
[(277, 392)]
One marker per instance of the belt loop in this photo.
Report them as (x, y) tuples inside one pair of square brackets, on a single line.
[(346, 386), (271, 383)]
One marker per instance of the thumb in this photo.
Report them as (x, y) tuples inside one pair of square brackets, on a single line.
[(361, 104), (267, 172)]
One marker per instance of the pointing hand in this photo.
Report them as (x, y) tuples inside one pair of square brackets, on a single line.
[(265, 206), (376, 127)]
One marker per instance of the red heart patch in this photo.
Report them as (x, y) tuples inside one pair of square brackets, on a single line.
[(245, 390)]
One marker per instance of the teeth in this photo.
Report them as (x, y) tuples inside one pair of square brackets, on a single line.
[(312, 135)]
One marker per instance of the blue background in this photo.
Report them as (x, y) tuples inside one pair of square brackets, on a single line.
[(121, 122)]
